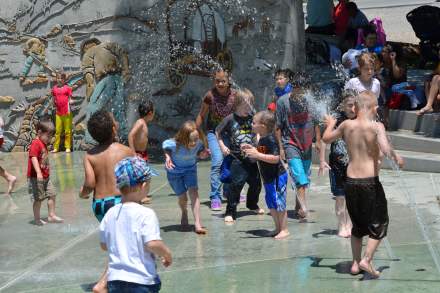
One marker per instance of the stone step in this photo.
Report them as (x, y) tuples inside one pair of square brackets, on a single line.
[(406, 140), (428, 124), (414, 161)]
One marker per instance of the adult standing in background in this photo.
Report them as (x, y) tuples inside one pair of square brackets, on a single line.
[(320, 17)]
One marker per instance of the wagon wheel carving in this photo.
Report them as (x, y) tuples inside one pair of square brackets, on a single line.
[(176, 76), (224, 58)]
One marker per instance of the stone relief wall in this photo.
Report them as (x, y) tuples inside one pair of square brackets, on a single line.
[(171, 47)]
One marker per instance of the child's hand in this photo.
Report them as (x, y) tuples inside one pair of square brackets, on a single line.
[(40, 177), (245, 146), (169, 163), (251, 152), (329, 120), (167, 261), (225, 150), (322, 166), (82, 194), (204, 154)]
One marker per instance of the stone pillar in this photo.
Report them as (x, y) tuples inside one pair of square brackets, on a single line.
[(294, 45)]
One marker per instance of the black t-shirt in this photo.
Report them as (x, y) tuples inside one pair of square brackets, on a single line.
[(268, 146), (239, 131), (338, 158)]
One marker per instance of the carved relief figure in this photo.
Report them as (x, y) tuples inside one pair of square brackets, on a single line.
[(35, 50), (106, 68)]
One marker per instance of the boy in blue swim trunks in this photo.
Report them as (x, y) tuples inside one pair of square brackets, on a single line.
[(271, 169), (296, 129), (99, 165)]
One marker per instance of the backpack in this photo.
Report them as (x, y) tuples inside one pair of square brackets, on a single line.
[(380, 32)]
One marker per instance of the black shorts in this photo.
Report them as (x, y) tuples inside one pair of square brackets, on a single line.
[(367, 206)]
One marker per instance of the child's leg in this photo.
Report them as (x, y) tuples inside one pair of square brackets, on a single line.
[(347, 220), (67, 125), (50, 192), (183, 204), (340, 211), (238, 179), (273, 213), (10, 178), (195, 206), (36, 208), (356, 249), (253, 194), (52, 217), (58, 130), (101, 285), (282, 222), (366, 263)]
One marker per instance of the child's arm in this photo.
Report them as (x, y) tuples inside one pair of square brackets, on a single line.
[(318, 136), (137, 126), (253, 153), (89, 179), (331, 134), (159, 248), (322, 163), (204, 109), (280, 144), (385, 146), (37, 168), (218, 132)]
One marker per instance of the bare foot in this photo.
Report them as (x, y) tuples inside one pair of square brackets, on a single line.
[(11, 183), (55, 219), (39, 222), (368, 267), (283, 234), (425, 110), (146, 200), (355, 268), (344, 233), (100, 287), (229, 220), (201, 230), (259, 211)]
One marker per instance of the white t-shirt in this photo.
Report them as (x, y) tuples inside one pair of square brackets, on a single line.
[(125, 229), (356, 85)]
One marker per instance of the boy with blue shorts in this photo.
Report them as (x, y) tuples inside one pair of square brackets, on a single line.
[(271, 169), (338, 163), (99, 165), (296, 129)]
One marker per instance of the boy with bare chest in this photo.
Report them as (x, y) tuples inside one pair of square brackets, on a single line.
[(366, 203)]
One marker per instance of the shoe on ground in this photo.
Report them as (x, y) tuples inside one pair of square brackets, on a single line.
[(216, 205), (68, 150)]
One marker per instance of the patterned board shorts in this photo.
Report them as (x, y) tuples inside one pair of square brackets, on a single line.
[(41, 189)]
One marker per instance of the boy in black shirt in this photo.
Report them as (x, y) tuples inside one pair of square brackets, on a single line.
[(237, 127), (338, 162), (271, 169)]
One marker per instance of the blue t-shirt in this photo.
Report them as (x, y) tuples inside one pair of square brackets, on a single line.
[(184, 159)]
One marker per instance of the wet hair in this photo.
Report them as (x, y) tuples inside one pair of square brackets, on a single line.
[(145, 107), (182, 137), (366, 58), (45, 126), (286, 72), (87, 42), (100, 126), (62, 75), (243, 96), (267, 118), (365, 100), (351, 6), (221, 70)]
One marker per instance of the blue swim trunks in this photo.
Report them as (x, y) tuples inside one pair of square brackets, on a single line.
[(300, 171), (336, 184), (102, 205), (276, 193)]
